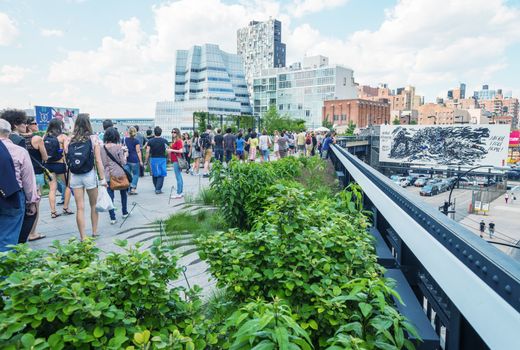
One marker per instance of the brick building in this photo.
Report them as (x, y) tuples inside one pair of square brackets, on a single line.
[(359, 111)]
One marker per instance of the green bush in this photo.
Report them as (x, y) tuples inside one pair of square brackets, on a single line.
[(311, 253), (241, 187), (71, 298), (261, 325)]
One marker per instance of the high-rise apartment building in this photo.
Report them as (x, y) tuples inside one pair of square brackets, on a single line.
[(207, 79), (498, 104), (457, 93), (299, 91), (260, 46)]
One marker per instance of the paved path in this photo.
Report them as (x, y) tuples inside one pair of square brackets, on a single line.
[(141, 226), (507, 224)]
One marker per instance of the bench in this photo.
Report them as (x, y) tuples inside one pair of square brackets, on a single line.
[(413, 311)]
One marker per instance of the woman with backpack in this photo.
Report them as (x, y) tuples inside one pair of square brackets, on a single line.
[(54, 141), (114, 159), (84, 157), (195, 153)]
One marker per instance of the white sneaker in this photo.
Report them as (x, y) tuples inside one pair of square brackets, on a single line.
[(176, 196), (126, 215), (113, 222)]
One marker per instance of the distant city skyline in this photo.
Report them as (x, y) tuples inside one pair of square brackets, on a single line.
[(116, 59)]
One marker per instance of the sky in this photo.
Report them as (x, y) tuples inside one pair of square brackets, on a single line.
[(115, 58)]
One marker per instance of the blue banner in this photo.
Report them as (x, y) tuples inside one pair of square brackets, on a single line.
[(44, 115)]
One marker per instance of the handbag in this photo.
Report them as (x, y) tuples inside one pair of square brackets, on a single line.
[(119, 182), (183, 163)]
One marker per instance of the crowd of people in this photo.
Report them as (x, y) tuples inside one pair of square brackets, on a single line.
[(78, 163)]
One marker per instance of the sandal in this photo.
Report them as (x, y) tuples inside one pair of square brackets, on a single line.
[(66, 211), (54, 214)]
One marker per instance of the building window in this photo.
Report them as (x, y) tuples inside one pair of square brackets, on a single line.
[(280, 107)]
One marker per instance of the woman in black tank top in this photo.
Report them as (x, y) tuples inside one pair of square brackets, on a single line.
[(36, 155), (36, 148)]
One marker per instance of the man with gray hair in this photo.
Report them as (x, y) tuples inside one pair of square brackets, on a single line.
[(18, 192)]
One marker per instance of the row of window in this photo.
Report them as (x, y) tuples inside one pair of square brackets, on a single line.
[(224, 109)]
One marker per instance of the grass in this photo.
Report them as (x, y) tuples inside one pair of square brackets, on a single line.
[(203, 221)]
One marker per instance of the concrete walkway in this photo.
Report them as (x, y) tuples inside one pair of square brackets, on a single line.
[(142, 226), (507, 224)]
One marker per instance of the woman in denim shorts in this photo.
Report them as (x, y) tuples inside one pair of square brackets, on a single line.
[(88, 181)]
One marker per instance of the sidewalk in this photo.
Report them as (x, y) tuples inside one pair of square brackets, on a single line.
[(507, 223), (141, 226)]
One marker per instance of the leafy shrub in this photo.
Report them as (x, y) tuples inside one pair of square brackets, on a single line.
[(303, 250), (262, 325), (70, 298), (241, 187)]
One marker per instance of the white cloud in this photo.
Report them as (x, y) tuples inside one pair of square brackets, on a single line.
[(8, 30), (415, 44), (418, 44), (51, 32), (301, 8), (12, 74), (130, 73)]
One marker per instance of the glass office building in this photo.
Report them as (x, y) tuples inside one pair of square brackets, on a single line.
[(299, 91), (207, 79)]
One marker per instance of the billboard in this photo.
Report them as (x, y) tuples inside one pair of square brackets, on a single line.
[(514, 138), (44, 114), (465, 145)]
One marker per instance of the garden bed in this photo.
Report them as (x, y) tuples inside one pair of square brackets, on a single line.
[(294, 265)]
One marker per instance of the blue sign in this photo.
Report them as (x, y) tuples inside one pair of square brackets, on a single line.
[(43, 116), (66, 115)]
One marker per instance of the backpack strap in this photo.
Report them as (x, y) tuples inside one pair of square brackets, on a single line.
[(128, 175)]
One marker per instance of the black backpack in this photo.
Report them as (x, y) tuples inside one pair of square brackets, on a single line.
[(80, 157), (205, 141), (52, 146)]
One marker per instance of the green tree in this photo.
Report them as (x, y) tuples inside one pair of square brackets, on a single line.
[(351, 128), (326, 124), (413, 122), (272, 121), (396, 121)]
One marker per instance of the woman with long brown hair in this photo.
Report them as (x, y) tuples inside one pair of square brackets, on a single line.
[(83, 156)]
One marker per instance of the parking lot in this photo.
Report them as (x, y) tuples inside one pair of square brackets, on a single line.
[(461, 197)]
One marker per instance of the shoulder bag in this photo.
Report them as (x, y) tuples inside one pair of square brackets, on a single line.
[(118, 182)]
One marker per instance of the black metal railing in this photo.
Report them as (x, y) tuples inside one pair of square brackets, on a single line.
[(483, 265)]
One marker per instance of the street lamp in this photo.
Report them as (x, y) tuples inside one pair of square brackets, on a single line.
[(434, 119), (448, 204)]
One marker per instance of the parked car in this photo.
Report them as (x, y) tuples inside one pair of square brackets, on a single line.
[(513, 175), (444, 185), (401, 181), (429, 190), (435, 180), (412, 178), (420, 182)]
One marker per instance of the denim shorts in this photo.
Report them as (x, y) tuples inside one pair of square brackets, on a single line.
[(40, 180), (87, 181)]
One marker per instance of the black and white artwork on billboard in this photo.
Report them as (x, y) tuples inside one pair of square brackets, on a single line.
[(464, 145)]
